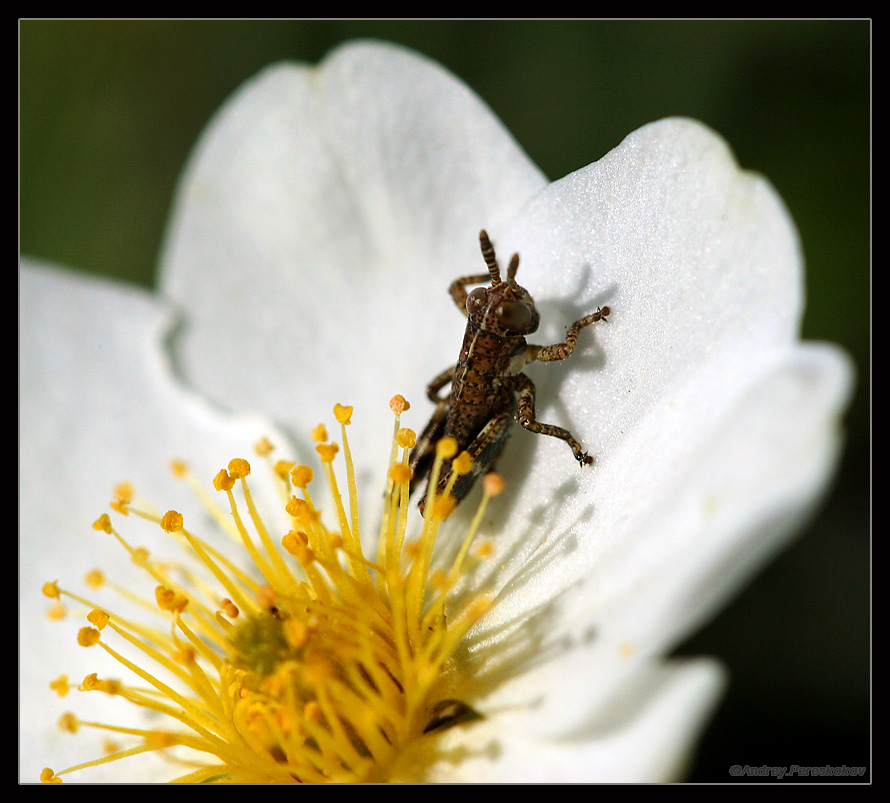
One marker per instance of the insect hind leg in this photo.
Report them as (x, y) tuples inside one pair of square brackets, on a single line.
[(484, 450), (525, 415), (424, 450)]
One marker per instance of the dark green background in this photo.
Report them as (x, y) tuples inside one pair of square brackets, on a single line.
[(109, 111)]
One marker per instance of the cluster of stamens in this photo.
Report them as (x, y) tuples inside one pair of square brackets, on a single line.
[(314, 663)]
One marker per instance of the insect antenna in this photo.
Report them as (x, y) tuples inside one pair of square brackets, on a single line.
[(490, 259), (512, 268)]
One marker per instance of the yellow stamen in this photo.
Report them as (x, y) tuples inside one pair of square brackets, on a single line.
[(330, 667)]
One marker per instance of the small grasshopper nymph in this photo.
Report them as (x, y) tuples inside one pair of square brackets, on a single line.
[(488, 375)]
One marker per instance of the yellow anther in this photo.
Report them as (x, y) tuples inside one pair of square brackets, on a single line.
[(48, 776), (160, 739), (406, 438), (399, 404), (51, 590), (120, 507), (319, 434), (298, 508), (343, 414), (312, 712), (98, 618), (60, 685), (140, 556), (94, 578), (444, 506), (239, 468), (400, 474), (477, 609), (283, 467), (263, 446), (56, 611), (103, 523), (68, 722), (412, 550), (493, 484), (266, 597), (222, 481), (304, 555), (438, 578), (296, 633), (301, 476), (179, 468), (123, 492), (327, 451), (317, 672), (290, 542), (463, 463), (229, 608), (90, 683), (446, 448), (88, 637), (169, 600), (484, 550), (185, 656), (171, 522), (335, 541)]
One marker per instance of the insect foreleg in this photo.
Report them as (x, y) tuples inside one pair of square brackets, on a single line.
[(562, 351), (525, 415)]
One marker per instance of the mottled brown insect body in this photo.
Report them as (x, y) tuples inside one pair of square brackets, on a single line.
[(488, 375), (477, 389)]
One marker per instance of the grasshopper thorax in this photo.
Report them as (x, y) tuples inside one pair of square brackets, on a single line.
[(505, 308)]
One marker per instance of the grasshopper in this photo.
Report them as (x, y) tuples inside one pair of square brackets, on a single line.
[(488, 376)]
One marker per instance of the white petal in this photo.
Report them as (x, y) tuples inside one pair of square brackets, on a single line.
[(701, 266), (699, 262), (645, 736), (333, 206), (98, 406), (639, 572)]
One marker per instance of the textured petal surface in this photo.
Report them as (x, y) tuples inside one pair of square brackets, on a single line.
[(635, 741), (333, 206), (98, 407), (702, 271)]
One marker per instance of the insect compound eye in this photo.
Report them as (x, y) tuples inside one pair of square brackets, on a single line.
[(477, 300), (514, 315)]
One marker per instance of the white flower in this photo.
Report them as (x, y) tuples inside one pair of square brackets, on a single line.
[(324, 214)]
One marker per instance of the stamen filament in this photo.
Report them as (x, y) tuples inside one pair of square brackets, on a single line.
[(328, 668)]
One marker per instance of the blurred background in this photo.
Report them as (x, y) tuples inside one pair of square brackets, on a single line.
[(110, 110)]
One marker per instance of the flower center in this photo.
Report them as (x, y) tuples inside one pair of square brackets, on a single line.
[(318, 663)]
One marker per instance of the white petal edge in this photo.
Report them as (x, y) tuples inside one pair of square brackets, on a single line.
[(98, 406)]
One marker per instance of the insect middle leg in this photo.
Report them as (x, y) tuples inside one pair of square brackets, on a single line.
[(525, 415), (433, 388)]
